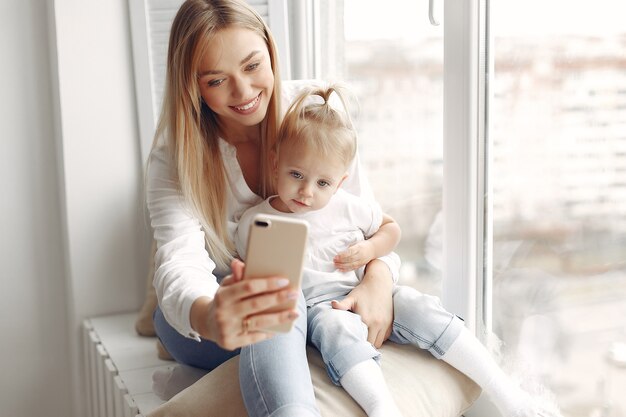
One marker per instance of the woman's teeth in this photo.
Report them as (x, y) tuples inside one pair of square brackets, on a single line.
[(249, 105)]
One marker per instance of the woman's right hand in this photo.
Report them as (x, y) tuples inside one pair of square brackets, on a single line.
[(223, 318)]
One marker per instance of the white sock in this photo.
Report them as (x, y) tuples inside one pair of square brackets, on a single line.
[(470, 357), (170, 381), (366, 384)]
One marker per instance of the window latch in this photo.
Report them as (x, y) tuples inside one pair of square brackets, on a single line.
[(431, 13)]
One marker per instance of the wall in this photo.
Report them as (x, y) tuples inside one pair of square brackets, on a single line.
[(74, 240), (106, 236), (34, 355)]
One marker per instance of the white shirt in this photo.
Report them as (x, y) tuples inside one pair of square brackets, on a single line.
[(344, 221), (184, 270)]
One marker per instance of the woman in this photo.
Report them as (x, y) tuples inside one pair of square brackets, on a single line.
[(209, 162)]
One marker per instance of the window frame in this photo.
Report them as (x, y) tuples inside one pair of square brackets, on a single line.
[(466, 194)]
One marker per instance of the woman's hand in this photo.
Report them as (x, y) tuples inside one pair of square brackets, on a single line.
[(355, 256), (232, 318), (372, 300)]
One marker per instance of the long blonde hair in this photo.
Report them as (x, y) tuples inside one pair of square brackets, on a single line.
[(191, 127), (319, 123)]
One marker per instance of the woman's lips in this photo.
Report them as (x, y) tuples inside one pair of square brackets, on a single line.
[(249, 107)]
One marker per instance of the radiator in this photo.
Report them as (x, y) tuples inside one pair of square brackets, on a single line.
[(107, 395)]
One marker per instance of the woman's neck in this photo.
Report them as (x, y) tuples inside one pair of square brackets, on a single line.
[(239, 134), (247, 142)]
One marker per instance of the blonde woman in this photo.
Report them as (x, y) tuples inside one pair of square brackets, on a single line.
[(209, 163)]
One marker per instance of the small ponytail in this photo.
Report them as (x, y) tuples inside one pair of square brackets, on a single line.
[(320, 120)]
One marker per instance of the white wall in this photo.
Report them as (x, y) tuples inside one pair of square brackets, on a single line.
[(74, 241), (34, 353)]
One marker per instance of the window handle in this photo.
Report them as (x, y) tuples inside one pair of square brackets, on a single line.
[(431, 13)]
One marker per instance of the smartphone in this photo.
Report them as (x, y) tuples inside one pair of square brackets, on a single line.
[(276, 247)]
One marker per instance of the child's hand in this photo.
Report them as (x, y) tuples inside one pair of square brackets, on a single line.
[(355, 257)]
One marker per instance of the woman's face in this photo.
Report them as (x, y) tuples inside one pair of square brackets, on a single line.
[(236, 78)]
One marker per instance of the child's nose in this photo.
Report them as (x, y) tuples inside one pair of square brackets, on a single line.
[(306, 190)]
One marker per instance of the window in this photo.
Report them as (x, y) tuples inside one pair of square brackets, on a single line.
[(540, 235), (557, 139), (392, 58)]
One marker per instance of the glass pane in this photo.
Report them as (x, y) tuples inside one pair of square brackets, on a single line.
[(558, 174), (392, 58)]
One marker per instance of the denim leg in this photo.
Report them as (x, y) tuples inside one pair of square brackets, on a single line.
[(341, 338), (420, 320), (204, 354), (274, 374)]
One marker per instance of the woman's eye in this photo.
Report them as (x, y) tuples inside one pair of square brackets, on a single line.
[(215, 83), (253, 66), (296, 175)]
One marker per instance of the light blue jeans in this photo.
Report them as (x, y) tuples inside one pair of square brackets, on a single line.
[(419, 319), (273, 375)]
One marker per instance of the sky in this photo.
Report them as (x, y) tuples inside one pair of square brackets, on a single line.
[(406, 19)]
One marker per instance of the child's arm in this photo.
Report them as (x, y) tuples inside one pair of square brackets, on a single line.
[(379, 244)]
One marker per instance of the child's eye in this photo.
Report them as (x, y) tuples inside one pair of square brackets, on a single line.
[(323, 183), (296, 175)]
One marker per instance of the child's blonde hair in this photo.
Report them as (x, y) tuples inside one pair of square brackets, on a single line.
[(191, 127), (313, 120)]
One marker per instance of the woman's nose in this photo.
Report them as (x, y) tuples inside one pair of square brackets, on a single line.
[(241, 88)]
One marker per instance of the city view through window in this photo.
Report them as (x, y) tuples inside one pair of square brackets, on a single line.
[(557, 172)]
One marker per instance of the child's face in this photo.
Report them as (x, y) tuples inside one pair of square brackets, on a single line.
[(305, 180)]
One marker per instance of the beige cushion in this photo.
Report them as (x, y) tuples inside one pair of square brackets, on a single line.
[(421, 385)]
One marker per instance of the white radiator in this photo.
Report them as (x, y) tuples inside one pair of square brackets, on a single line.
[(118, 367)]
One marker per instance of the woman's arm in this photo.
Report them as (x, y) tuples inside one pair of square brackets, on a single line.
[(191, 299), (221, 319), (183, 268), (379, 244), (372, 298)]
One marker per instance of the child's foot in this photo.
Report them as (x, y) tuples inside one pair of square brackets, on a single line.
[(518, 403), (537, 409), (513, 401)]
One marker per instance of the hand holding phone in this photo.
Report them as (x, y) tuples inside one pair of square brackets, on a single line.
[(276, 247)]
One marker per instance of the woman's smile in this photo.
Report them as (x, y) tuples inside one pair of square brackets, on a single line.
[(249, 107)]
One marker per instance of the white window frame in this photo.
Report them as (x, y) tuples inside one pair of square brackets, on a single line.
[(467, 232)]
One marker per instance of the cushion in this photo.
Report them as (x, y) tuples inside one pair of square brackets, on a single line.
[(420, 384)]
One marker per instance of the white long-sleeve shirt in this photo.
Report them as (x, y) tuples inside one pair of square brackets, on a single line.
[(184, 270)]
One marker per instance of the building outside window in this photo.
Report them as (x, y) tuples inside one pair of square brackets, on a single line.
[(557, 169)]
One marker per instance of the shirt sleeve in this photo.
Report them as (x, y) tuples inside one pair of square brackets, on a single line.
[(183, 268)]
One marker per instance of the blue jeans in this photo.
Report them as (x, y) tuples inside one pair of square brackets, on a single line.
[(273, 374), (419, 320)]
